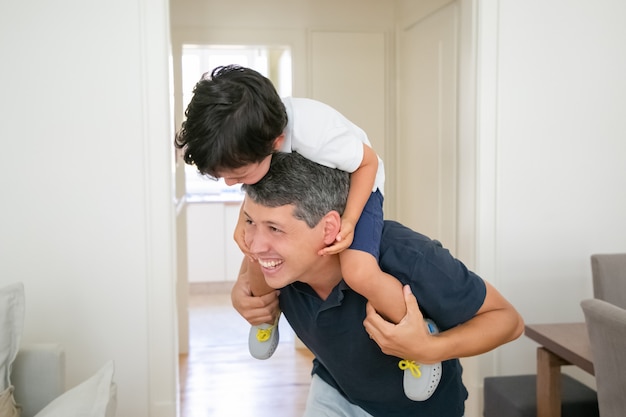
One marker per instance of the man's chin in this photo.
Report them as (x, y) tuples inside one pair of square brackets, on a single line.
[(274, 283)]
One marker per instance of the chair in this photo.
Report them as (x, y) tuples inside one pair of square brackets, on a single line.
[(608, 272), (606, 325), (516, 396)]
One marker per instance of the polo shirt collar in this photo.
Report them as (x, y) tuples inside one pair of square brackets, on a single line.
[(334, 299)]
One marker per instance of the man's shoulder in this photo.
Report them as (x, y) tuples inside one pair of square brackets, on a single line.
[(399, 242), (393, 230)]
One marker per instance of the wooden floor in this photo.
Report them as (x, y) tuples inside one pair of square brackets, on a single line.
[(219, 378)]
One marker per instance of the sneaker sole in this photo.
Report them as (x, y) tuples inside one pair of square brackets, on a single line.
[(263, 350)]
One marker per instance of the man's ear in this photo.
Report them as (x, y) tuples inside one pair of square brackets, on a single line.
[(332, 226), (278, 142)]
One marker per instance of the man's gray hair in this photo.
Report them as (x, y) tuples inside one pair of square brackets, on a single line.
[(313, 189)]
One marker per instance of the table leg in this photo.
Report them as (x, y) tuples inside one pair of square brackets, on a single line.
[(548, 383)]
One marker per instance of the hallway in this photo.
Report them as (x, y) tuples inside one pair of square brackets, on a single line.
[(219, 378)]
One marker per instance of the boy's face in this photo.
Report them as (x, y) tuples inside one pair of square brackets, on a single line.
[(247, 174), (285, 247)]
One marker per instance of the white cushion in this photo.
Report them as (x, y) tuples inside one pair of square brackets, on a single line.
[(11, 326), (95, 397)]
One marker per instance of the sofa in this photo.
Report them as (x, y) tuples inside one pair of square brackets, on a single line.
[(32, 377), (38, 376)]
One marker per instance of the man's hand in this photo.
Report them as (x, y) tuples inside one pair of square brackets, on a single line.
[(409, 339), (495, 323), (256, 310)]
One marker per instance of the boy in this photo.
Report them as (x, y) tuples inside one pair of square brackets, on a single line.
[(235, 122)]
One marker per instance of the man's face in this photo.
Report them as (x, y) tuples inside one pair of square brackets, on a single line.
[(286, 248)]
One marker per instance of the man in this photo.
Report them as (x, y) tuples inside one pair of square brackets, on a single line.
[(295, 211)]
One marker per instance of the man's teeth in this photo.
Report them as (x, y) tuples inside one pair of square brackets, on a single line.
[(269, 264)]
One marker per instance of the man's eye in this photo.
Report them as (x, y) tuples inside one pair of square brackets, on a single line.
[(273, 229), (248, 221)]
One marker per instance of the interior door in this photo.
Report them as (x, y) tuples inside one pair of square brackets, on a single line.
[(426, 170)]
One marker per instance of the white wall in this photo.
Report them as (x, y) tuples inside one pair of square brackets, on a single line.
[(552, 143), (86, 218), (541, 140)]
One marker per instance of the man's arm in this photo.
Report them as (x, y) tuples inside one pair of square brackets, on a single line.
[(256, 310), (495, 323)]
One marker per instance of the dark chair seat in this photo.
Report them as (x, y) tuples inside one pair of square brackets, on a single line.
[(516, 396)]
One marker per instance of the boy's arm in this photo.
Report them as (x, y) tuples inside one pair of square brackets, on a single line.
[(361, 184), (494, 324)]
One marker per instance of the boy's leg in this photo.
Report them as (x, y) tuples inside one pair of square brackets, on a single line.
[(362, 273), (258, 286), (360, 269), (262, 339), (359, 264)]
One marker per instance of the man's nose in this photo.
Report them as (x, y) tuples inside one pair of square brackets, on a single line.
[(256, 242), (230, 181)]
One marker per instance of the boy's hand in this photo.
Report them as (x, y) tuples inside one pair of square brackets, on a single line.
[(342, 241)]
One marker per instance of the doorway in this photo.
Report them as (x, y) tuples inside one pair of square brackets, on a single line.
[(208, 257), (196, 59)]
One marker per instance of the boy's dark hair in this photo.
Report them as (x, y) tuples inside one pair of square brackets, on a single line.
[(233, 118)]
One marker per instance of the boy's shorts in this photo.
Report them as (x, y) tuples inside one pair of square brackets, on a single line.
[(369, 228)]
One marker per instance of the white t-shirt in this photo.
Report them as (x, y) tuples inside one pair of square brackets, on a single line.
[(322, 134)]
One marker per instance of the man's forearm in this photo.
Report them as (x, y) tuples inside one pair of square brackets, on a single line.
[(496, 323), (481, 334)]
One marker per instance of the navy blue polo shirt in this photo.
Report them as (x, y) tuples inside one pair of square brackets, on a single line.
[(347, 359)]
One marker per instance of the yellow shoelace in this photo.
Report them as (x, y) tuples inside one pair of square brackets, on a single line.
[(263, 335), (411, 366)]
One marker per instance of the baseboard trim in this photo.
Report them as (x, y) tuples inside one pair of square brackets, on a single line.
[(220, 287)]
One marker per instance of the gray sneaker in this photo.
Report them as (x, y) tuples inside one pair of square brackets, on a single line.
[(263, 340), (421, 381)]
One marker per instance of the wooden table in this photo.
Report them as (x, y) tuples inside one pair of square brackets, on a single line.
[(561, 344)]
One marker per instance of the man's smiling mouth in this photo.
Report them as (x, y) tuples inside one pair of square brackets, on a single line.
[(269, 264)]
